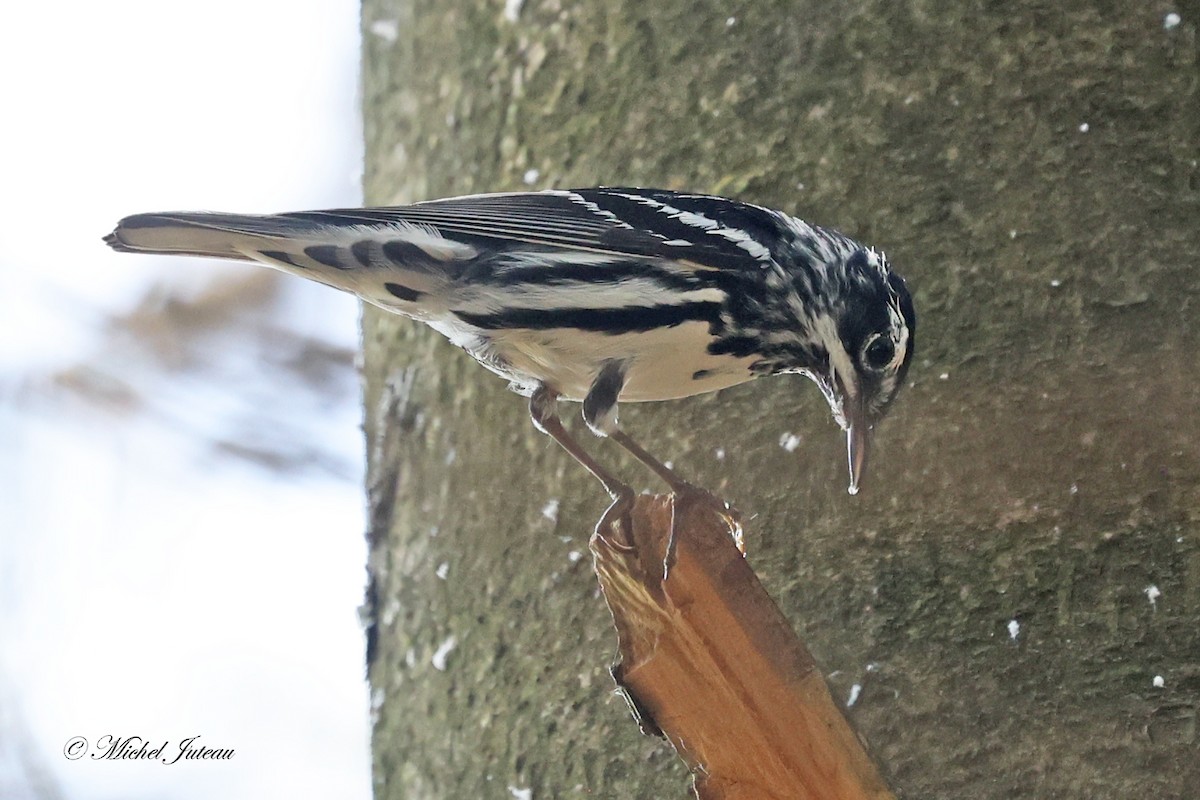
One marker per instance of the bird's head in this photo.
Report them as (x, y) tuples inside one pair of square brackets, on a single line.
[(865, 332)]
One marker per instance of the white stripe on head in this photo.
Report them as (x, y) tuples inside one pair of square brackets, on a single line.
[(841, 365), (899, 331)]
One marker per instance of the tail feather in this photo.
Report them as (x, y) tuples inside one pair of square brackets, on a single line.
[(200, 234), (392, 264)]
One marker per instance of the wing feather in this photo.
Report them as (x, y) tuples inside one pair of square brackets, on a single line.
[(620, 222), (693, 232)]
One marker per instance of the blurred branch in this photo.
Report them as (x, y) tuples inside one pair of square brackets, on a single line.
[(228, 364)]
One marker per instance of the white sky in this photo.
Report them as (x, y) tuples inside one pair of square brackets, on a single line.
[(148, 587)]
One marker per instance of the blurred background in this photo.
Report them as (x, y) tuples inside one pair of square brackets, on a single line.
[(181, 516)]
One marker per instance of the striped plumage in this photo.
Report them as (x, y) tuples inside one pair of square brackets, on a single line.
[(600, 295)]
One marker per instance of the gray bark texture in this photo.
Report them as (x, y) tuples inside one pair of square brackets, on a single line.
[(1031, 168)]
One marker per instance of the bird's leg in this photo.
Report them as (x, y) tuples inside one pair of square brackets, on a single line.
[(600, 414), (672, 479), (543, 409)]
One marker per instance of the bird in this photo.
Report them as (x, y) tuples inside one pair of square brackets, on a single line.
[(601, 296)]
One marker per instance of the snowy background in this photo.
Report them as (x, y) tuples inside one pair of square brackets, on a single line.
[(181, 519)]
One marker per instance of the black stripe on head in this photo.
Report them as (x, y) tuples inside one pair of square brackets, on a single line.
[(613, 321), (403, 292), (282, 257), (326, 254)]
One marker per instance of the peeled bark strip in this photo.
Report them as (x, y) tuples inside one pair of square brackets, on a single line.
[(708, 659)]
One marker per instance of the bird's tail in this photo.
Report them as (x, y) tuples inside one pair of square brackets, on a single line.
[(239, 236), (385, 261)]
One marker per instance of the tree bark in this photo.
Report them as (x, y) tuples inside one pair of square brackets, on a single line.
[(1023, 565)]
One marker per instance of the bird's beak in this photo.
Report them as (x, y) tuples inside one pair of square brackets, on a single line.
[(858, 443)]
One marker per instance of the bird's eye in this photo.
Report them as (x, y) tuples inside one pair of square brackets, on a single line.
[(879, 352)]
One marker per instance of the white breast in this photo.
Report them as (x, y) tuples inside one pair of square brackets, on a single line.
[(661, 364)]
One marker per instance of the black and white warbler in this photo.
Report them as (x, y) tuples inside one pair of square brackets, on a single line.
[(600, 295)]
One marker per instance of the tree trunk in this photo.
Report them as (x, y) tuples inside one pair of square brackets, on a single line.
[(1017, 589)]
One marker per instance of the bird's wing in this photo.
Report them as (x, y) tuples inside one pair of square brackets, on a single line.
[(443, 240), (708, 231)]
